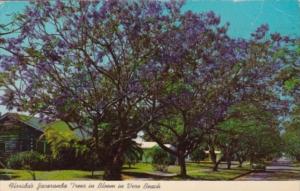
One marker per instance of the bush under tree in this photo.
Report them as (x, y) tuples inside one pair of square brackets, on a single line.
[(29, 160), (198, 154), (161, 159)]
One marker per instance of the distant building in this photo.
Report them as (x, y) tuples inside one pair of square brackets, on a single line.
[(148, 145)]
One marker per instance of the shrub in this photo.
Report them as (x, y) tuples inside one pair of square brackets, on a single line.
[(198, 155), (28, 160), (161, 159), (147, 156), (259, 166), (133, 154), (71, 158)]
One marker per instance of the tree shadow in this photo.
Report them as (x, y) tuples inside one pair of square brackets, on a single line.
[(127, 168), (187, 177), (7, 176), (94, 177), (147, 175)]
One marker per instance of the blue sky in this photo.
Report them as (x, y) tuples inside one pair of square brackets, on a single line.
[(244, 16)]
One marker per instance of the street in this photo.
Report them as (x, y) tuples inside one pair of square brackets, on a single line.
[(281, 169)]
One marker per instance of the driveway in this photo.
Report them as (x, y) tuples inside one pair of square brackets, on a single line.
[(281, 169)]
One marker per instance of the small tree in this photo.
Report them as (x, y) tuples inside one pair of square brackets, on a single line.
[(252, 129), (161, 159), (291, 136), (198, 154), (133, 154)]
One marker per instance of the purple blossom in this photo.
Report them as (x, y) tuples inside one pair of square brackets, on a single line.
[(260, 32), (276, 37)]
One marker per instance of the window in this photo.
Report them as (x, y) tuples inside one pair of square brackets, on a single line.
[(2, 147)]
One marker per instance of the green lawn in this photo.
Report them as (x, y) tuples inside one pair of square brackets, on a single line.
[(196, 171), (6, 174), (296, 164)]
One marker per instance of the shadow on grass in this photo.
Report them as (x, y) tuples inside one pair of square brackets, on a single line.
[(158, 177), (148, 175), (127, 168), (95, 177), (234, 169), (188, 177), (7, 176), (287, 176)]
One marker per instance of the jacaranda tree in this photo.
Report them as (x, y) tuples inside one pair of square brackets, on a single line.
[(83, 62), (113, 68), (257, 69), (203, 76), (198, 67)]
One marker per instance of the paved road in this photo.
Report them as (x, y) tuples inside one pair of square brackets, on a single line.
[(281, 169)]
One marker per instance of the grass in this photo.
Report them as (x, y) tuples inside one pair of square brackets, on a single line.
[(296, 164), (7, 174), (196, 171)]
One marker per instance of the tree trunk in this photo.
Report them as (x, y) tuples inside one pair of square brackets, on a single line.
[(241, 163), (251, 163), (113, 170), (228, 164), (181, 162), (32, 173), (114, 163), (216, 165), (213, 156), (240, 159), (2, 165), (93, 167), (228, 159)]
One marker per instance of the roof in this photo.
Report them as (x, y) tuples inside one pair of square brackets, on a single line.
[(30, 121), (150, 144), (63, 128), (216, 152), (41, 126)]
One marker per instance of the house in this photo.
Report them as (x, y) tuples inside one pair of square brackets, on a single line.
[(20, 133), (147, 146)]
